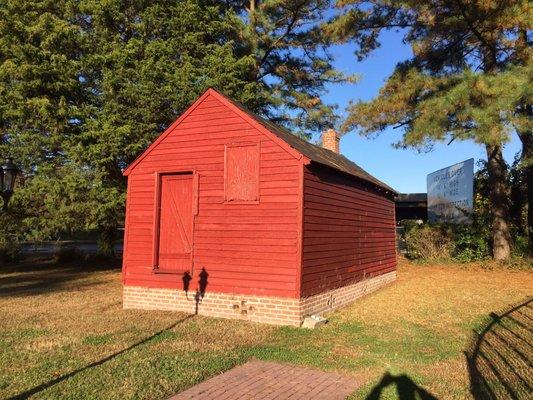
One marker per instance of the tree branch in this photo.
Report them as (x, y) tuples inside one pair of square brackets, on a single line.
[(403, 124), (476, 32), (290, 26)]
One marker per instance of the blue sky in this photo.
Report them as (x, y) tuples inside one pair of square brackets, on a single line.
[(404, 170)]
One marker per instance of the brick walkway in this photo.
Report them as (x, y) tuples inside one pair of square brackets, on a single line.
[(269, 380)]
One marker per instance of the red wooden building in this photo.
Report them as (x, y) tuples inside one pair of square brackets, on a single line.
[(229, 215)]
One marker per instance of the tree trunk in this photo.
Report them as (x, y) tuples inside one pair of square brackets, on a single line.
[(106, 242), (499, 195), (527, 163)]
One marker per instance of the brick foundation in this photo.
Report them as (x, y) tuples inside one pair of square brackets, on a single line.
[(324, 303), (270, 310)]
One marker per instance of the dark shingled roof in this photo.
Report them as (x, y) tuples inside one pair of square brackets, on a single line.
[(316, 153), (412, 197)]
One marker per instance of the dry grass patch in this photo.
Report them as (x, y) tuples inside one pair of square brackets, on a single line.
[(64, 334)]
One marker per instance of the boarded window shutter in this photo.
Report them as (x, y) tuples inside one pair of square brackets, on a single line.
[(241, 173)]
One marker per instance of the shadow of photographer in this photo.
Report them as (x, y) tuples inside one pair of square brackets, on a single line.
[(201, 289), (406, 388)]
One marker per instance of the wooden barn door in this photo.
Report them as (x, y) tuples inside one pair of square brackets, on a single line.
[(176, 223)]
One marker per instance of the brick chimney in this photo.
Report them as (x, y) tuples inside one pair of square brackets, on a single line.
[(330, 140)]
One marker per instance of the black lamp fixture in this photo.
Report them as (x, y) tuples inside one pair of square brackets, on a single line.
[(8, 176)]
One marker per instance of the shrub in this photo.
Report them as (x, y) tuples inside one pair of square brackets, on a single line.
[(447, 242), (520, 246), (429, 243), (9, 240), (521, 262), (9, 252), (471, 243)]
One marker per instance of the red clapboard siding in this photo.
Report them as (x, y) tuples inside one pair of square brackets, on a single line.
[(348, 231), (252, 216), (245, 247)]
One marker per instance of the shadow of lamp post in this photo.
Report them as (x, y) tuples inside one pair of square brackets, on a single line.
[(8, 176)]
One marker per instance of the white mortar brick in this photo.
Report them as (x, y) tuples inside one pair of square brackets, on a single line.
[(270, 310)]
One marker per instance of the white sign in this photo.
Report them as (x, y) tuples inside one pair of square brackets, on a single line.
[(450, 193)]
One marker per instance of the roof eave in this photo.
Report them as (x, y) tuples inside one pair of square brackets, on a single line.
[(384, 188)]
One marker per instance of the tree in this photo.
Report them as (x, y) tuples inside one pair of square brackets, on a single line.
[(42, 95), (147, 62), (291, 60), (88, 85), (518, 198), (151, 59), (469, 78)]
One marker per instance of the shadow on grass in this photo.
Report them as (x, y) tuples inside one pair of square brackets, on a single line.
[(37, 276), (406, 388), (46, 385), (81, 262), (500, 357)]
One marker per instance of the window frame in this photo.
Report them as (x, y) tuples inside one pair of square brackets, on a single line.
[(258, 194)]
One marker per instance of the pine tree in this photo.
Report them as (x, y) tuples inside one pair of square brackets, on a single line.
[(291, 60), (41, 100), (147, 62), (469, 79), (87, 85)]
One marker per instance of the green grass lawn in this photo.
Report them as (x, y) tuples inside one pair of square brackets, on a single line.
[(63, 334)]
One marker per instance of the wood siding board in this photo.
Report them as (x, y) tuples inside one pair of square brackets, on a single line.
[(348, 231), (301, 187), (245, 248)]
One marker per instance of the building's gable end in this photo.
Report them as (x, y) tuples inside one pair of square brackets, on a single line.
[(212, 95), (257, 125), (248, 241)]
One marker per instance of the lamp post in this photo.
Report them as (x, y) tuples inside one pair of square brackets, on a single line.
[(8, 176)]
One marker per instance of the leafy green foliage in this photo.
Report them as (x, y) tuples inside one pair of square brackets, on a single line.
[(469, 78), (471, 243), (464, 243), (10, 236), (469, 75), (444, 242), (87, 85), (465, 106), (291, 58)]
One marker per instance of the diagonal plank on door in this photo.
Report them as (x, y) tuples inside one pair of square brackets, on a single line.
[(179, 222)]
